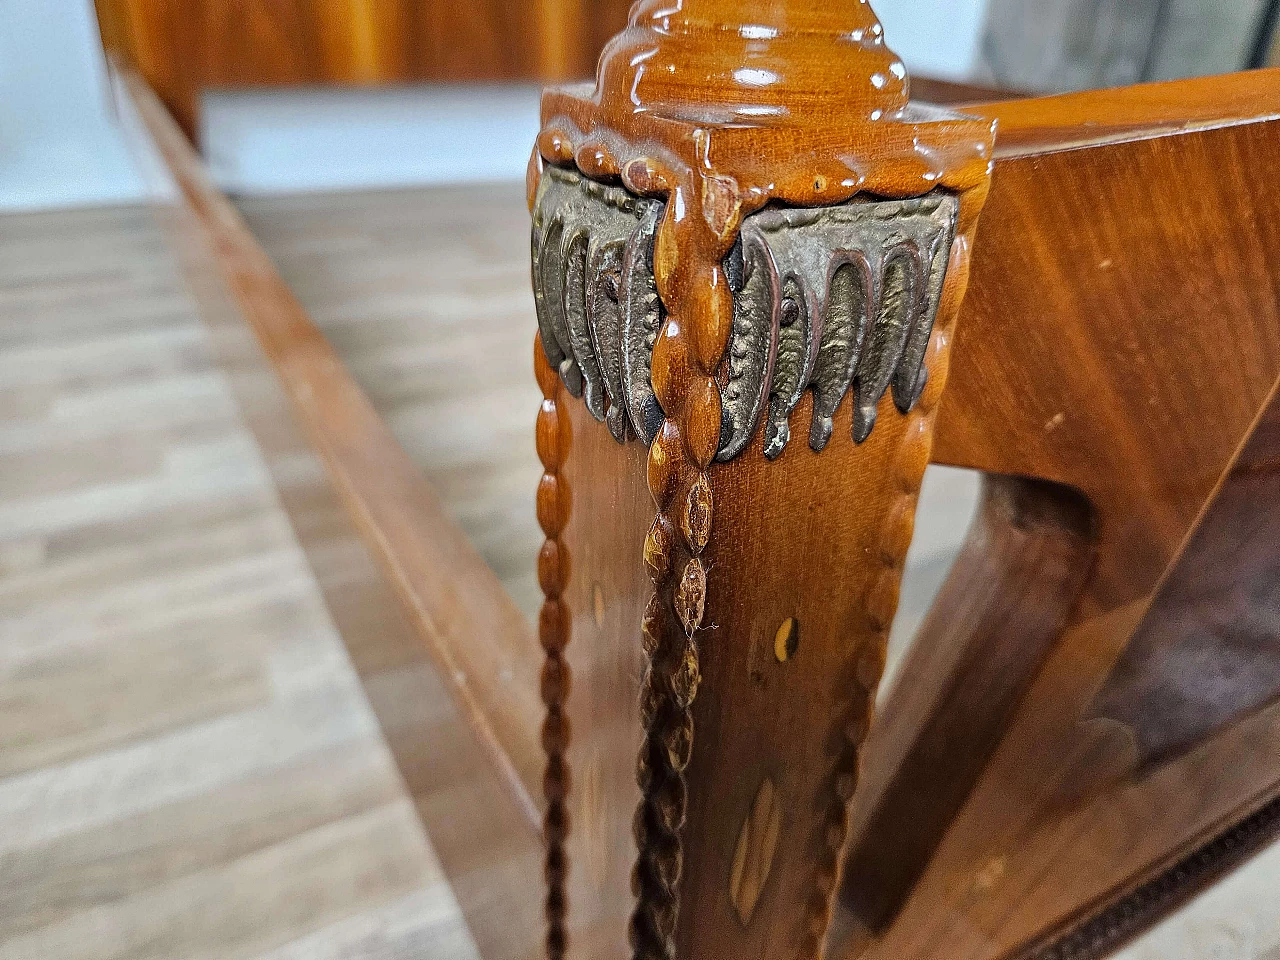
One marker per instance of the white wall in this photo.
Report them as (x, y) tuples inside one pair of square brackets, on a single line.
[(262, 141), (939, 38), (58, 143)]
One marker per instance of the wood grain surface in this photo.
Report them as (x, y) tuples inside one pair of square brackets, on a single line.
[(719, 109), (1122, 330), (189, 765), (121, 355), (1006, 600)]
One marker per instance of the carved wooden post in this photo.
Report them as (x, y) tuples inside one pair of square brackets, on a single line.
[(744, 223)]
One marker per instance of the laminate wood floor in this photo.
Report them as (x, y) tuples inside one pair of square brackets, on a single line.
[(193, 763), (425, 295), (189, 765)]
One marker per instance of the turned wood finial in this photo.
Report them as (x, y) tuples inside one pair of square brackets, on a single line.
[(758, 63), (738, 104)]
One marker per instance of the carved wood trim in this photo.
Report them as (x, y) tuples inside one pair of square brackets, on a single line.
[(881, 603), (553, 503)]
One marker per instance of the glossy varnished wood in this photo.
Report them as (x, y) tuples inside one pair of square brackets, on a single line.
[(748, 757), (606, 597), (1122, 331), (1098, 117), (184, 46), (1129, 251)]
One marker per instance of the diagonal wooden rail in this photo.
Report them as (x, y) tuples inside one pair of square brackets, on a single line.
[(442, 616), (1121, 337)]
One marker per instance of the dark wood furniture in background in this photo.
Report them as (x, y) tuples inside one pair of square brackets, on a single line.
[(183, 46), (1053, 770)]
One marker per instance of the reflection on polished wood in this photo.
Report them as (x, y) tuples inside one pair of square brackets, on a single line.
[(184, 46), (705, 116)]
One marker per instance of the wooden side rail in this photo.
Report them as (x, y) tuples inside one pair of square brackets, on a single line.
[(476, 775), (457, 603), (1008, 596)]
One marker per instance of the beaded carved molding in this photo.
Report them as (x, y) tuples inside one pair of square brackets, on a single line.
[(830, 299)]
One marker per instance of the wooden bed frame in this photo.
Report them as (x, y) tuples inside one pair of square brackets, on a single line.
[(1053, 772)]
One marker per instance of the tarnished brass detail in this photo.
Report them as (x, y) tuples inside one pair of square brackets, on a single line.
[(833, 299)]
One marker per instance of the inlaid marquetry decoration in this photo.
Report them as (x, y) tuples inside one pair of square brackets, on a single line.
[(552, 439), (753, 856), (786, 641), (746, 218)]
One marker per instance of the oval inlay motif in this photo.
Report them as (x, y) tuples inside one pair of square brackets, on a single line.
[(787, 640), (753, 858)]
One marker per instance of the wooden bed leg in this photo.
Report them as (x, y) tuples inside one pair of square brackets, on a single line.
[(744, 224)]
